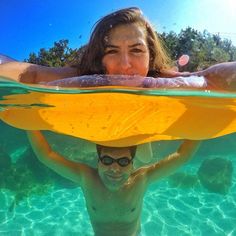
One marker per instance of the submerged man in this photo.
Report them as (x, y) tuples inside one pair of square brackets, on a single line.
[(113, 191)]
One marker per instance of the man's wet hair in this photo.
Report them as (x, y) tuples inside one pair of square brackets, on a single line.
[(131, 148)]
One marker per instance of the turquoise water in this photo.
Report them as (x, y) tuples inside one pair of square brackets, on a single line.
[(36, 201), (13, 87), (60, 208)]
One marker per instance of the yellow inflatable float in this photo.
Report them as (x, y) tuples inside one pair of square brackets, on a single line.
[(134, 111)]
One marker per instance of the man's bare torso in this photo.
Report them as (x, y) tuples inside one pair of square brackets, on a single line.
[(114, 212)]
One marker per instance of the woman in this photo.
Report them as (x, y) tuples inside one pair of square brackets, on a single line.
[(98, 52), (133, 37)]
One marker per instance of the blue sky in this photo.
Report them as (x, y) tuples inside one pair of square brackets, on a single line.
[(27, 26)]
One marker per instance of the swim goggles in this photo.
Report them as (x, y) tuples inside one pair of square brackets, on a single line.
[(107, 161)]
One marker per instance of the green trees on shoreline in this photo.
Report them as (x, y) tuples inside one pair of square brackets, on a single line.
[(203, 48)]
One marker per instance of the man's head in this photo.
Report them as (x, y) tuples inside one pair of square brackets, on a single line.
[(115, 165)]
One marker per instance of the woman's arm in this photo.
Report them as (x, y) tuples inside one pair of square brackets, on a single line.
[(172, 162), (220, 76), (34, 74), (53, 160)]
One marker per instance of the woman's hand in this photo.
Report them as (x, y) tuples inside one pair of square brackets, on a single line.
[(173, 73)]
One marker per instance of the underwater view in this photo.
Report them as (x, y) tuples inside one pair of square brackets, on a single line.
[(199, 199)]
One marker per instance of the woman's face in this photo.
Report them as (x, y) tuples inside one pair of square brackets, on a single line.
[(126, 51)]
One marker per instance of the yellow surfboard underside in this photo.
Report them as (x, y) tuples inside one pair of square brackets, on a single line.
[(121, 119)]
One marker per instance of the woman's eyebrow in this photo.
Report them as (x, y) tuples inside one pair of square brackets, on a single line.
[(136, 44), (130, 46), (111, 46)]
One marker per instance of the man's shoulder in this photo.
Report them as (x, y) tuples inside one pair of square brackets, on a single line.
[(89, 173), (144, 172), (90, 177), (88, 170), (139, 173)]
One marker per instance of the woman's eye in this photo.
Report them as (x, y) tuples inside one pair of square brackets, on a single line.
[(137, 50), (111, 51)]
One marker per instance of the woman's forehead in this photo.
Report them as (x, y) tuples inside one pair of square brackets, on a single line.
[(132, 33)]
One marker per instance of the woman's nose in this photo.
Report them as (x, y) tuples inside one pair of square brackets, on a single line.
[(125, 62)]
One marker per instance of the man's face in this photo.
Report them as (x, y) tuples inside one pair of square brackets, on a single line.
[(114, 176)]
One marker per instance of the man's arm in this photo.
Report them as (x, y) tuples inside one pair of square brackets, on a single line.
[(171, 163), (34, 74), (53, 160)]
